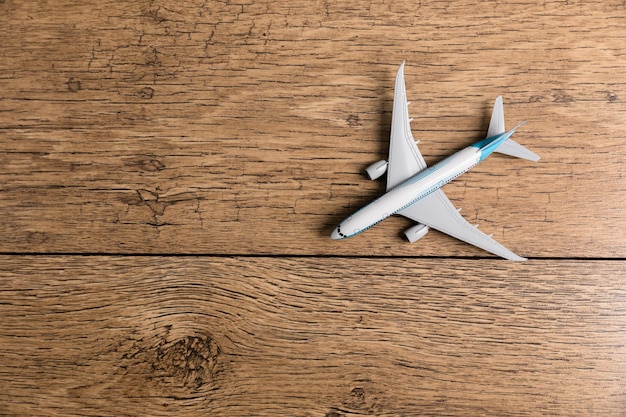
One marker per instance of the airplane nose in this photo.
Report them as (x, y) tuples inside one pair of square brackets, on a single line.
[(335, 234)]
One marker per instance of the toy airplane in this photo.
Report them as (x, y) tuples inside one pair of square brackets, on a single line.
[(414, 190)]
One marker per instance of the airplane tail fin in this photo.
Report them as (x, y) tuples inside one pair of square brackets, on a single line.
[(510, 147)]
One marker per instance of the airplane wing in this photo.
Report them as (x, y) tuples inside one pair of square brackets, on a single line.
[(436, 211), (405, 160)]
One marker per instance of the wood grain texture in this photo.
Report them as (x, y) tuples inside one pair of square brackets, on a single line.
[(311, 337), (240, 127), (230, 127)]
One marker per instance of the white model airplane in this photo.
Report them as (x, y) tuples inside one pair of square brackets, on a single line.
[(414, 190)]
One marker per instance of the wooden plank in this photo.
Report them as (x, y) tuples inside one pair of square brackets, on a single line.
[(243, 128), (312, 337)]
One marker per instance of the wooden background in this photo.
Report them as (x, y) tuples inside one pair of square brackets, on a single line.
[(170, 173)]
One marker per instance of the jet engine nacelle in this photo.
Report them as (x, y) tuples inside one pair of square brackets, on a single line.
[(416, 232), (377, 169)]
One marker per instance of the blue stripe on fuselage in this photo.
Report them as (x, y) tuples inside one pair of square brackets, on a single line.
[(489, 145)]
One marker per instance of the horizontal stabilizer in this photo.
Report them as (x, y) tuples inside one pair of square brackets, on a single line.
[(496, 124), (512, 148)]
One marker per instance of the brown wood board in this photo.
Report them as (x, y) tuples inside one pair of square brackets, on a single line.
[(244, 128), (311, 337)]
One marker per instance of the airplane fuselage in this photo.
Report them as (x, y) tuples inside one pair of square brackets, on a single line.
[(408, 192)]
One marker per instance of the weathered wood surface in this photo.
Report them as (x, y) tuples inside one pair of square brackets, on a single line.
[(240, 127), (311, 337), (236, 127)]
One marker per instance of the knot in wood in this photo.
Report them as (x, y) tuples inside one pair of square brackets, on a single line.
[(192, 361)]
